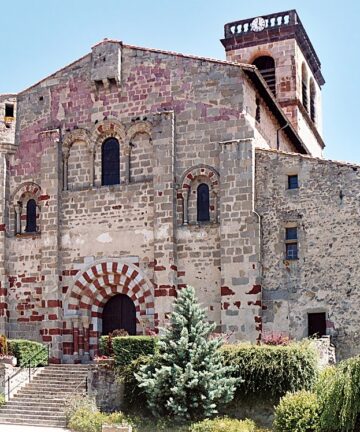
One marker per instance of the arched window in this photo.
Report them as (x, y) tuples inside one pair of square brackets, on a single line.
[(312, 100), (304, 87), (110, 162), (203, 203), (266, 66), (30, 216)]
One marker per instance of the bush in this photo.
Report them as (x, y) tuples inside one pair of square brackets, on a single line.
[(297, 412), (24, 350), (2, 399), (128, 348), (271, 371), (3, 345), (223, 425), (134, 396), (338, 392), (82, 415)]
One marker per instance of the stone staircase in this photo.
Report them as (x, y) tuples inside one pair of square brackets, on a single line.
[(42, 401)]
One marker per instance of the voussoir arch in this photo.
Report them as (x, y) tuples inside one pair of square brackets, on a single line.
[(139, 128), (28, 188), (93, 287), (108, 129), (200, 170)]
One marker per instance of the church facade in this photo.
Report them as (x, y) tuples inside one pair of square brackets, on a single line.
[(132, 172)]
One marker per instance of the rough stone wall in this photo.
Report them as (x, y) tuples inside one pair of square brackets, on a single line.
[(141, 238), (325, 277)]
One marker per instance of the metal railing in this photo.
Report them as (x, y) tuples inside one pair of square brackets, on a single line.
[(28, 366)]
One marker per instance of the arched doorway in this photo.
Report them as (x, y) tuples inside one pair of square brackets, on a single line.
[(119, 313)]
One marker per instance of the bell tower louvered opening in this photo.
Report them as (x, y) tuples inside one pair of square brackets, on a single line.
[(266, 66)]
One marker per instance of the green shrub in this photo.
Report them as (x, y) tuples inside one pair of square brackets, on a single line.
[(2, 399), (223, 425), (134, 396), (128, 348), (24, 350), (3, 345), (297, 412), (83, 416), (271, 371), (338, 392)]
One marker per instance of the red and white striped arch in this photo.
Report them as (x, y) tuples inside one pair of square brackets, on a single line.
[(93, 288)]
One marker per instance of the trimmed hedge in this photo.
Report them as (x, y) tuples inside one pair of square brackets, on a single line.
[(223, 425), (129, 348), (24, 350), (271, 371)]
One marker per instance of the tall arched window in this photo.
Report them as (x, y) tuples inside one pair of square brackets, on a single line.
[(203, 203), (110, 162), (312, 100), (266, 66), (304, 87), (30, 216)]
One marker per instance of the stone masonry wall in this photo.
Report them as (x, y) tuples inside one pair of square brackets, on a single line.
[(169, 113), (325, 277)]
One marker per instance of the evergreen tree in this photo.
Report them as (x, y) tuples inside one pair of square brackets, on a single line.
[(187, 380)]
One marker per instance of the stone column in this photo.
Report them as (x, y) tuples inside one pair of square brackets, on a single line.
[(17, 209), (165, 268), (92, 167), (127, 164), (86, 322), (75, 331), (240, 242), (66, 153), (185, 195)]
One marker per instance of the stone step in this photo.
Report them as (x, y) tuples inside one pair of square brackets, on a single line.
[(42, 402), (33, 422)]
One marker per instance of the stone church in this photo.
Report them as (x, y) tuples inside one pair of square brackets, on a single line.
[(132, 172)]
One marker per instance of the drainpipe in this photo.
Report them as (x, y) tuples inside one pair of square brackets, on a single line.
[(278, 135)]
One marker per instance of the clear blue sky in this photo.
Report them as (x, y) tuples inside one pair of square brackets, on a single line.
[(40, 36)]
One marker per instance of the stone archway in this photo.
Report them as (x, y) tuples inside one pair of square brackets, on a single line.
[(90, 292)]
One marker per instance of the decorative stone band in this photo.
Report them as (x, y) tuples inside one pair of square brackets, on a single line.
[(100, 282)]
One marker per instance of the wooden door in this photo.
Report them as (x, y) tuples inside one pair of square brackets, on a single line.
[(119, 313)]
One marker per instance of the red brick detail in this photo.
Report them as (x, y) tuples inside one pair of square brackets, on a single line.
[(2, 227), (237, 304), (44, 197), (226, 291), (256, 289), (54, 303)]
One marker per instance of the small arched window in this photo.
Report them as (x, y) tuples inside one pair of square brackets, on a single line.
[(30, 216), (110, 162), (203, 203), (304, 87), (266, 66), (312, 100)]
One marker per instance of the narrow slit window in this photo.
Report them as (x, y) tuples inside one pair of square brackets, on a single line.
[(203, 203), (30, 216), (110, 162), (291, 243), (258, 112)]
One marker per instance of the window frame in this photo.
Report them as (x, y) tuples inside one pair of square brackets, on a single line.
[(203, 209), (31, 223), (114, 171), (290, 186), (291, 243)]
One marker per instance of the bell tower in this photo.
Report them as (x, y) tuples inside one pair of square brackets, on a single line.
[(280, 48)]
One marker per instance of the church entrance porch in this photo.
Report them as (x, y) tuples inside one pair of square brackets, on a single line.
[(107, 296)]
